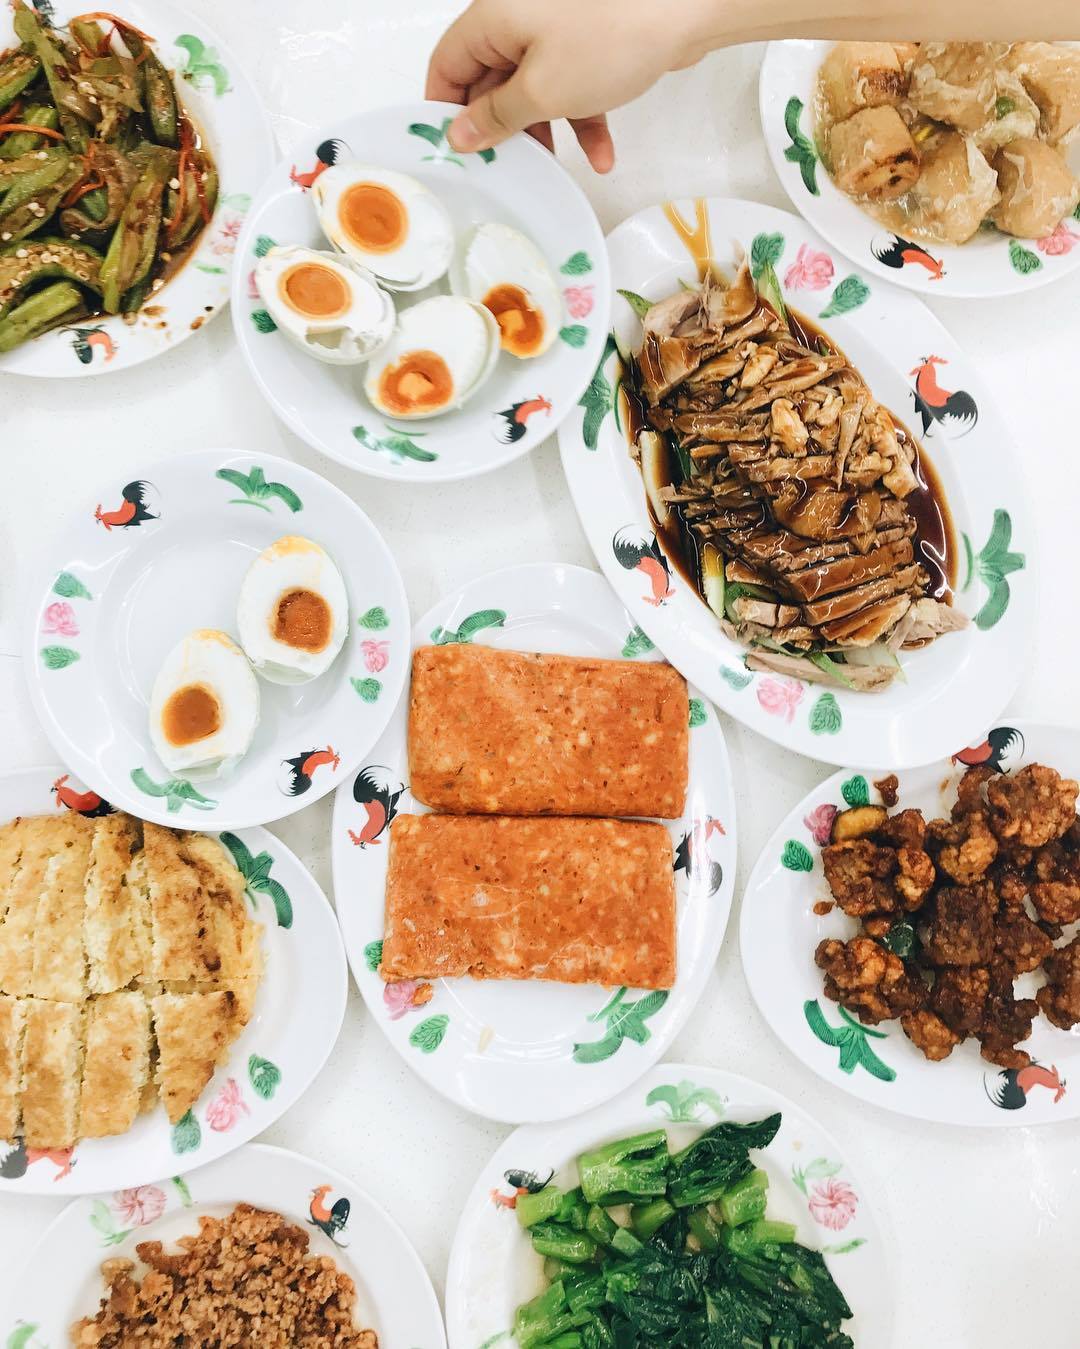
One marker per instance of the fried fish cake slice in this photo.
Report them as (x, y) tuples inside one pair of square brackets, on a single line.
[(52, 1070), (194, 1032), (12, 1029), (117, 1064), (59, 968), (114, 953), (39, 842)]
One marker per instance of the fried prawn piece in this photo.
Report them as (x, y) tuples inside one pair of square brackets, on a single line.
[(928, 1032), (964, 847), (1006, 1022), (1020, 944), (866, 878), (1032, 808), (1059, 997), (961, 930), (867, 979), (959, 998), (1055, 891)]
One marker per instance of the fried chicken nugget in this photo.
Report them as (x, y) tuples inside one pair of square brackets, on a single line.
[(867, 979), (961, 931), (959, 998), (964, 847), (1006, 1021), (928, 1032), (1056, 888), (1033, 807), (1020, 944), (1059, 997)]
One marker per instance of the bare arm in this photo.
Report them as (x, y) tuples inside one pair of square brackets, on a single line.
[(520, 64)]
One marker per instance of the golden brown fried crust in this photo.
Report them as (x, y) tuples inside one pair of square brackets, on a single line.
[(1059, 997), (1056, 891), (243, 1280), (961, 930), (1020, 944), (928, 1032), (964, 847), (959, 998), (1033, 807), (866, 978), (866, 878), (1006, 1022)]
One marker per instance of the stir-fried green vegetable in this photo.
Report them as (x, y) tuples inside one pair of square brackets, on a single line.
[(103, 181), (696, 1265)]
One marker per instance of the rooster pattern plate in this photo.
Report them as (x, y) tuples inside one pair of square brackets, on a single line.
[(162, 553), (951, 688), (517, 1051)]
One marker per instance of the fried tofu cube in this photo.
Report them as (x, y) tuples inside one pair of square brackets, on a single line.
[(957, 188), (953, 82), (857, 75), (1051, 75), (873, 155), (1037, 188)]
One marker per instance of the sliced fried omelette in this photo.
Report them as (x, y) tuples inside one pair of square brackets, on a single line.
[(194, 1032)]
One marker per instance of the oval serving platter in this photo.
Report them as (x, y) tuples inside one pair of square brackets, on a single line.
[(394, 1293), (518, 184), (779, 932), (164, 555), (223, 103), (988, 265), (493, 1268), (533, 1050), (954, 686), (297, 1015)]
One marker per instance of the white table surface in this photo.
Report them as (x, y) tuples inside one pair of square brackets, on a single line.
[(983, 1227)]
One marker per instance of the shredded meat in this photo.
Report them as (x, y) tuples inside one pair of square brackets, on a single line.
[(867, 979), (1059, 997)]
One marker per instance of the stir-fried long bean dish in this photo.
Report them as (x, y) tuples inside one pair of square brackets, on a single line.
[(105, 185), (806, 513)]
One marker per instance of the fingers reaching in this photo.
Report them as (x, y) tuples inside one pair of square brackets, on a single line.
[(594, 137)]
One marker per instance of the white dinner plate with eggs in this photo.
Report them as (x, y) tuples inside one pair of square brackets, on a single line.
[(416, 313), (216, 640)]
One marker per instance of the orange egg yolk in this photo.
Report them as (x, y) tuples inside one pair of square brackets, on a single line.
[(315, 291), (373, 217), (521, 326), (419, 382), (302, 619), (190, 714)]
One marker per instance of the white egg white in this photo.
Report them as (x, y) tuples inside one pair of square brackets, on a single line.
[(291, 564), (498, 255), (211, 659), (423, 252), (462, 334), (351, 335)]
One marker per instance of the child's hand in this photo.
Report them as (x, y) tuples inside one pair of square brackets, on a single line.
[(519, 64)]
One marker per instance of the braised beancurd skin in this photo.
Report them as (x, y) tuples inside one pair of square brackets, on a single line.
[(329, 305), (204, 706), (502, 269), (444, 349), (293, 612), (386, 221)]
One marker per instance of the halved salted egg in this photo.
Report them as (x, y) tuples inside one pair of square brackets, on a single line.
[(387, 221), (204, 706), (443, 350), (502, 269), (293, 613), (330, 305)]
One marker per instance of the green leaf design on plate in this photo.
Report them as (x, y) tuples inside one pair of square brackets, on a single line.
[(637, 644), (852, 1039), (262, 321), (625, 1021), (375, 619), (203, 65), (735, 679), (698, 713), (856, 791), (186, 1134), (429, 1035), (257, 879), (575, 336), (264, 1076), (843, 1247), (825, 716), (182, 1190), (58, 657), (847, 295), (256, 491), (684, 1102), (104, 1224), (373, 955), (819, 1169), (368, 689), (492, 1340), (263, 245), (993, 564), (397, 444), (577, 264), (765, 251), (431, 134), (469, 627), (598, 399), (177, 792), (22, 1337), (637, 303), (801, 150), (436, 137), (1023, 259), (796, 856), (70, 587), (210, 268)]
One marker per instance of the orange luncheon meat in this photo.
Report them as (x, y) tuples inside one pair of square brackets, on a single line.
[(513, 733), (499, 897)]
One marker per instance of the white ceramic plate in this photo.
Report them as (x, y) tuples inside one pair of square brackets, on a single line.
[(493, 1268), (164, 555), (519, 184), (294, 1025), (394, 1294), (522, 1051), (989, 264), (222, 102), (955, 686), (779, 932)]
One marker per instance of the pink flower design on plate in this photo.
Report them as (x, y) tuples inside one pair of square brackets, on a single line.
[(399, 998), (60, 618), (139, 1206), (1063, 240), (819, 822), (376, 655), (226, 1107), (225, 242), (833, 1203), (780, 697), (579, 301), (253, 290), (810, 270)]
